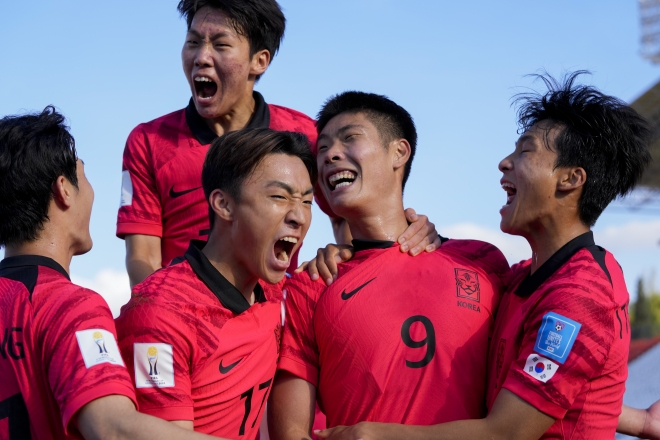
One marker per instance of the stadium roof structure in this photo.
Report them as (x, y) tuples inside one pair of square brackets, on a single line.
[(648, 105)]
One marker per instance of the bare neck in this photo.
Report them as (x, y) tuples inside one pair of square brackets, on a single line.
[(49, 244), (386, 222), (550, 237), (229, 267), (237, 118)]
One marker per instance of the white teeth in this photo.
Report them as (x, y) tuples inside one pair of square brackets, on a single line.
[(293, 240), (339, 185), (341, 175), (508, 185), (203, 79)]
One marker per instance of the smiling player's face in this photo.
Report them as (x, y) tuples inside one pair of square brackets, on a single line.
[(355, 168), (217, 63), (273, 216), (530, 179)]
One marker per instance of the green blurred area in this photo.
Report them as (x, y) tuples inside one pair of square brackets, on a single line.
[(645, 312)]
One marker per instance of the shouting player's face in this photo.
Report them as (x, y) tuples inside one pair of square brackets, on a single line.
[(81, 211), (356, 171), (530, 179), (217, 63), (272, 216)]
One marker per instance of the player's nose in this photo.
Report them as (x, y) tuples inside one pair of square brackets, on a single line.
[(334, 153), (505, 164), (203, 55)]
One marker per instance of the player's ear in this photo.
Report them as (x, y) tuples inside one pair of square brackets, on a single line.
[(259, 62), (571, 178), (401, 149), (63, 192), (222, 204)]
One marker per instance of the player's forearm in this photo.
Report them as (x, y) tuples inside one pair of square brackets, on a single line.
[(291, 408), (138, 270), (631, 421), (143, 256)]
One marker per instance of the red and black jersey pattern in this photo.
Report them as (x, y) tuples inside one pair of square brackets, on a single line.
[(396, 338), (46, 379), (197, 350), (162, 174), (582, 285)]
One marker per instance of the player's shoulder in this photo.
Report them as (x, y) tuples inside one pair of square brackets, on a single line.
[(288, 119), (173, 287), (160, 125), (302, 284), (482, 254)]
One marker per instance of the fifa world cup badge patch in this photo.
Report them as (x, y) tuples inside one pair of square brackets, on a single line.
[(98, 346), (154, 365), (540, 368), (556, 337)]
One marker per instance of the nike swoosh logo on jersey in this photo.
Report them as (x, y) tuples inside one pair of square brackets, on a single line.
[(175, 194), (346, 296), (228, 368)]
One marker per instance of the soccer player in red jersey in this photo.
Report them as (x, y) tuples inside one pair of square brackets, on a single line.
[(394, 338), (61, 371), (202, 336), (558, 358), (228, 46)]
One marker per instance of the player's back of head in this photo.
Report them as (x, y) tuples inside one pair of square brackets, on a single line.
[(35, 149), (390, 119), (233, 157), (261, 22), (597, 132)]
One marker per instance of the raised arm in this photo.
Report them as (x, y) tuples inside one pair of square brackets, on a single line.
[(639, 422)]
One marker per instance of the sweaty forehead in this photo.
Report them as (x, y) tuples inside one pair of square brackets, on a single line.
[(216, 19)]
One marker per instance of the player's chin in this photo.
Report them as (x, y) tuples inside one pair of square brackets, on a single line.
[(83, 246)]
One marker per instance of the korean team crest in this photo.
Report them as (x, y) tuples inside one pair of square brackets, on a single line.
[(467, 284)]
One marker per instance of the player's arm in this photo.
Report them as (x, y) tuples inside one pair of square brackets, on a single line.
[(291, 408), (419, 236), (143, 256), (115, 417), (640, 423), (511, 418)]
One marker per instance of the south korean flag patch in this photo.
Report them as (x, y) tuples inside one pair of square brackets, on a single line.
[(540, 368)]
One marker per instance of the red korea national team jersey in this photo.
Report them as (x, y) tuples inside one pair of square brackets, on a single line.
[(397, 339), (198, 351), (58, 350), (162, 191), (562, 338)]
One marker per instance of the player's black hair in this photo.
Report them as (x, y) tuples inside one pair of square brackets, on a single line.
[(391, 120), (599, 133), (260, 21), (233, 157), (35, 149)]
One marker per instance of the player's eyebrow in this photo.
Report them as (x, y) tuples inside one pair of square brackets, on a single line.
[(341, 131), (287, 188), (213, 37), (523, 138)]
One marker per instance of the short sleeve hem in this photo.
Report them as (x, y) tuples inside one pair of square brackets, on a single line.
[(107, 389), (126, 228), (299, 369), (535, 399), (170, 413)]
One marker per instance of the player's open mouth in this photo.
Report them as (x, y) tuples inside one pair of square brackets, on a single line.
[(205, 87), (341, 179), (284, 248), (510, 189)]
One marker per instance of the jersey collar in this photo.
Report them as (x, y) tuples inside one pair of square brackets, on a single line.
[(227, 294), (366, 244), (561, 257), (203, 133), (32, 260)]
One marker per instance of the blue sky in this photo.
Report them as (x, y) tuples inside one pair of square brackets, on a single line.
[(453, 65)]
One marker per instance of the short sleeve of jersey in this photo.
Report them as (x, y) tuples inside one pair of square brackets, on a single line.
[(299, 354), (157, 342), (80, 353), (140, 208), (586, 306)]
